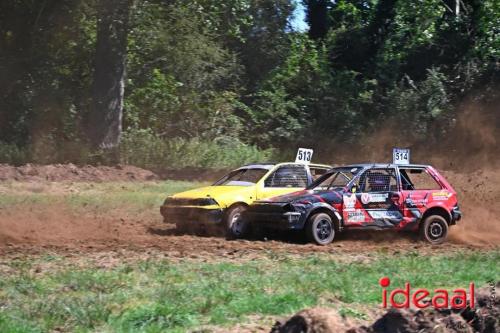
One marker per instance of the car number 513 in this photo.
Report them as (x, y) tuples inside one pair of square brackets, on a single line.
[(304, 155)]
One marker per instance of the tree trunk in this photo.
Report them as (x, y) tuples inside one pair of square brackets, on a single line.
[(453, 6), (105, 121), (379, 28), (317, 18)]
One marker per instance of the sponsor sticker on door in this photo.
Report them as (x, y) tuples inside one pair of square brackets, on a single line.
[(441, 195), (384, 214), (379, 197), (365, 198), (349, 201), (355, 216)]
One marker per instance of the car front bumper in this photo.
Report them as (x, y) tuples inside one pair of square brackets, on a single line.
[(456, 214), (273, 216), (209, 215)]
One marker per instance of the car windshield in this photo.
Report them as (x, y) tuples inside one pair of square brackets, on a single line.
[(242, 177), (335, 179)]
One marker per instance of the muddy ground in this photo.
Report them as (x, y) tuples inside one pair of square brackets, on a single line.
[(33, 229), (71, 172), (111, 238)]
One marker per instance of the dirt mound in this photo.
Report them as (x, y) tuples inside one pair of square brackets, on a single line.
[(315, 320), (484, 318), (192, 173), (71, 172)]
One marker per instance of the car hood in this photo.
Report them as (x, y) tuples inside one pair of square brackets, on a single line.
[(309, 196), (210, 191)]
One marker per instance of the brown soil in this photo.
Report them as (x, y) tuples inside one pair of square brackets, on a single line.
[(70, 172), (31, 228), (484, 318), (314, 320), (29, 231), (118, 236)]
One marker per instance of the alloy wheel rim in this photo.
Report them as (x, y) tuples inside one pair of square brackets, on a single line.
[(236, 224), (324, 229), (435, 230)]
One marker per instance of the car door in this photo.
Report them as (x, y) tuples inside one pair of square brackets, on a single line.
[(285, 179), (376, 201), (419, 189)]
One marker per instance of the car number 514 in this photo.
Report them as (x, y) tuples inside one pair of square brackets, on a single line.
[(401, 156)]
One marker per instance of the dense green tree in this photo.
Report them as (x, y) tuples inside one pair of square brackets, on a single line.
[(182, 81), (45, 63), (261, 42), (317, 18), (225, 75)]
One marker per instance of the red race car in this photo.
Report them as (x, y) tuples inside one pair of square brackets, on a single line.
[(369, 196)]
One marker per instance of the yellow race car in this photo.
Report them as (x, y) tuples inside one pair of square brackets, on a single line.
[(221, 204)]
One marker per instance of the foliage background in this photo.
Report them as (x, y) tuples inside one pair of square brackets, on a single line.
[(220, 83)]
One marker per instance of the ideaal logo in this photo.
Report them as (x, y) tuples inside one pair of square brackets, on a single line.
[(439, 298)]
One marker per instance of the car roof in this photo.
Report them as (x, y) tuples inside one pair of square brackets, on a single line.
[(270, 165), (383, 165), (310, 164), (267, 166)]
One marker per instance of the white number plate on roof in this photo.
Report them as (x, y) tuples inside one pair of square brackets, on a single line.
[(400, 156), (304, 156)]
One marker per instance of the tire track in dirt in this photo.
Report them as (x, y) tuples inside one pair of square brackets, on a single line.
[(61, 230), (34, 227)]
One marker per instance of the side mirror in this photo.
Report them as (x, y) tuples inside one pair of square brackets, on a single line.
[(354, 188)]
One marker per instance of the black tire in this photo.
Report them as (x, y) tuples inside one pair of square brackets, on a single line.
[(434, 229), (236, 227), (321, 229)]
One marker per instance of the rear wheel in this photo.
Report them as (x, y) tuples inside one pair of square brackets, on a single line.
[(236, 227), (434, 229), (321, 229)]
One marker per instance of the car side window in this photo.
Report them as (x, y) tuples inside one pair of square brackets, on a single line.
[(378, 180), (414, 179), (317, 172), (287, 176)]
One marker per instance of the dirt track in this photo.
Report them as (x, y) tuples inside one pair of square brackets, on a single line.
[(70, 172), (139, 236), (29, 229)]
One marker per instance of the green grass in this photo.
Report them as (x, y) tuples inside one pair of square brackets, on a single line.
[(94, 196), (143, 148), (166, 296), (161, 295)]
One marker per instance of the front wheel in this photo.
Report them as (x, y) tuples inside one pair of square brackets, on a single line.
[(321, 229), (236, 227), (434, 229)]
